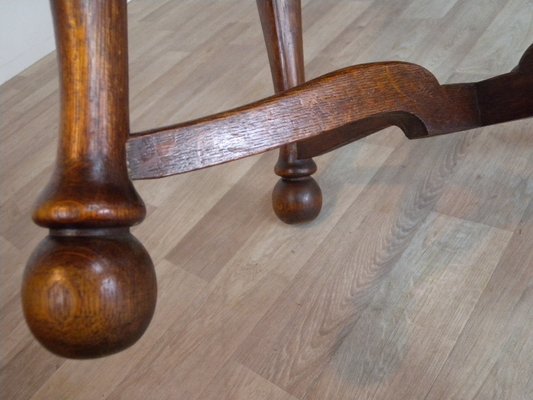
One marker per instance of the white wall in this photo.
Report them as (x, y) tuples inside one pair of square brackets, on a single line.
[(26, 35)]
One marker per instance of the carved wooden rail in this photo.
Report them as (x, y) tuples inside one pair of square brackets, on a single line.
[(89, 289), (399, 92), (364, 99)]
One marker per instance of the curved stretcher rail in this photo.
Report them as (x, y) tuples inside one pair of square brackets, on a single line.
[(331, 111)]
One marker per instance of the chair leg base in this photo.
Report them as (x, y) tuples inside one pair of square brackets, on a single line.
[(297, 200)]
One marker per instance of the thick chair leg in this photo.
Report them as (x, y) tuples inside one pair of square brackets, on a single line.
[(296, 197), (89, 289)]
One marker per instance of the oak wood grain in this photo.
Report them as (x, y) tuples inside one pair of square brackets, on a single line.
[(346, 105), (89, 287), (411, 94), (296, 197), (471, 41)]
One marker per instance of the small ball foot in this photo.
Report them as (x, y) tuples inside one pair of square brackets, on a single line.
[(89, 294), (297, 200)]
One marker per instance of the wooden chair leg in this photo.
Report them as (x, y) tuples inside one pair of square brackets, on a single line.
[(296, 197), (89, 289)]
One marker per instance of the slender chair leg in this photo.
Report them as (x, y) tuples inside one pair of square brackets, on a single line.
[(89, 289), (296, 197)]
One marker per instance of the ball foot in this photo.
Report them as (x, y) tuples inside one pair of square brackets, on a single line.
[(89, 294), (297, 200)]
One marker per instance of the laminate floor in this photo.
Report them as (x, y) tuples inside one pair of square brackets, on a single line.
[(415, 282)]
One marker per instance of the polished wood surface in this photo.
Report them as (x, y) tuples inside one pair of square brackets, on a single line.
[(296, 197), (89, 288), (90, 186), (389, 93), (89, 296), (415, 281)]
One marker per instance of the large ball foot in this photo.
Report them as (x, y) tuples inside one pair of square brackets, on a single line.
[(297, 200), (89, 294)]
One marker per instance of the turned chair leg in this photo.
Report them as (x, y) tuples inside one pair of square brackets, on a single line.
[(89, 289), (296, 197)]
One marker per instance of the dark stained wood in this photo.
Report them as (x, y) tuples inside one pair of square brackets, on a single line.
[(281, 21), (296, 197), (89, 289), (510, 96), (322, 112), (86, 297), (406, 92), (526, 62), (297, 200), (503, 98), (90, 186)]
